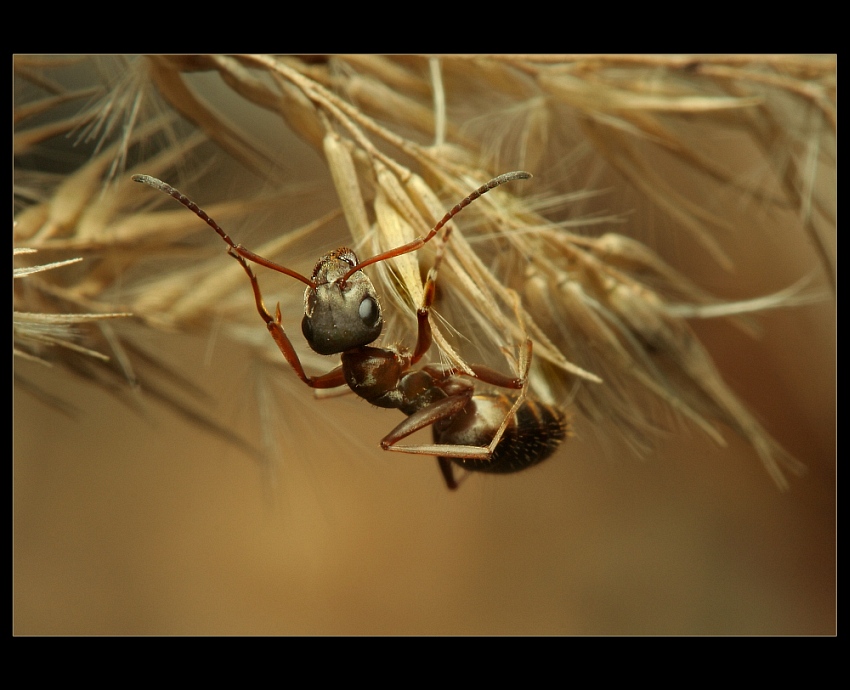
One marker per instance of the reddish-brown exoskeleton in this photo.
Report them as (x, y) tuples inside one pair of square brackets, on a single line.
[(482, 432)]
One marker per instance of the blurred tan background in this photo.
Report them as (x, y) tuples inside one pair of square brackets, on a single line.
[(137, 522), (126, 525)]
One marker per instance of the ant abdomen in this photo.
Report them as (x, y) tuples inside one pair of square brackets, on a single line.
[(532, 435)]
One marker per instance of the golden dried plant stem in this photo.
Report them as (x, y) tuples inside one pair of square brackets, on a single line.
[(383, 70), (688, 214), (25, 141), (61, 214), (813, 93), (345, 178), (64, 319), (214, 124), (395, 231)]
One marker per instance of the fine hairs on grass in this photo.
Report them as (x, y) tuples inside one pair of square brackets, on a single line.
[(296, 155)]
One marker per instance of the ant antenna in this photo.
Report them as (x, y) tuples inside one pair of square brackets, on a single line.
[(420, 242), (234, 248)]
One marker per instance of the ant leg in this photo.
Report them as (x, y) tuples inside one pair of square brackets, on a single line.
[(441, 409), (495, 378), (481, 373), (332, 379), (424, 338), (448, 407), (524, 365), (448, 471)]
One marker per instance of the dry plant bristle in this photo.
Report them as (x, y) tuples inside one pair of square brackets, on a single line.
[(400, 141)]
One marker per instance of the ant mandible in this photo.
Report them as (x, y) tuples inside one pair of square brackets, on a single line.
[(480, 432)]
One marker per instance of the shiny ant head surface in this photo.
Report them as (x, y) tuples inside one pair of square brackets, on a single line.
[(340, 313)]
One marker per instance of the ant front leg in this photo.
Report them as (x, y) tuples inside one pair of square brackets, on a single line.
[(429, 291), (424, 337), (332, 379)]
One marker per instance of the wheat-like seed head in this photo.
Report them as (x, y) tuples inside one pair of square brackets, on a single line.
[(395, 142)]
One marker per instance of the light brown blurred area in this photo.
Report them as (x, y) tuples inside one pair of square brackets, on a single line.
[(129, 520), (125, 525)]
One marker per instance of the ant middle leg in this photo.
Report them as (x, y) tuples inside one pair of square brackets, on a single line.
[(429, 291), (460, 394)]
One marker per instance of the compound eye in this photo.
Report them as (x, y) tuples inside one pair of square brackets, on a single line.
[(368, 311)]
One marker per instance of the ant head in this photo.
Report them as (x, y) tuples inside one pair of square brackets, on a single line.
[(342, 310)]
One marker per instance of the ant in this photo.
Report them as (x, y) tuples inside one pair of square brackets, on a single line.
[(497, 433)]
